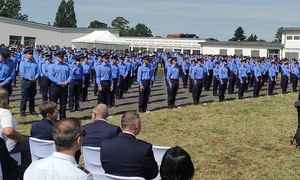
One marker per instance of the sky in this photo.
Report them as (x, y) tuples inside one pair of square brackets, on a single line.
[(206, 18)]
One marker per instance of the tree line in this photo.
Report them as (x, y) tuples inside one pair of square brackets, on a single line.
[(66, 17)]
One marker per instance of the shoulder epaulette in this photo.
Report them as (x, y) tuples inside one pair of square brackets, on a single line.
[(83, 169)]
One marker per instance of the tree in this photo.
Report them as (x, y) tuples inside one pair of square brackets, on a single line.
[(278, 35), (97, 24), (122, 24), (238, 35), (252, 38), (212, 39), (11, 9), (262, 40), (65, 16), (141, 30)]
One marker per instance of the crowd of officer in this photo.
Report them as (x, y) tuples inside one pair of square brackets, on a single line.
[(64, 75)]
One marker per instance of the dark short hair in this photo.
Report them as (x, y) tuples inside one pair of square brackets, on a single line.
[(65, 133), (47, 107), (176, 164)]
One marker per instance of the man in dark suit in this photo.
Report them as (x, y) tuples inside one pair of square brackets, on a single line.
[(99, 130), (43, 129), (127, 156)]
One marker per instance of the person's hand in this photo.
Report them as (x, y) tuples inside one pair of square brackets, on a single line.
[(1, 85), (141, 88), (100, 88), (195, 83), (170, 85), (111, 88), (124, 77), (221, 83), (241, 82), (83, 85), (118, 84), (12, 84)]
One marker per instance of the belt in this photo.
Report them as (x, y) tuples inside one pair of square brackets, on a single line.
[(145, 79), (105, 81), (175, 79), (78, 80), (199, 79)]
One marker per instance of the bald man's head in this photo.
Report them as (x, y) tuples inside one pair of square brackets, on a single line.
[(101, 111)]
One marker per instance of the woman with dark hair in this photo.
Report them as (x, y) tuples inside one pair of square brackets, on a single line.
[(176, 165)]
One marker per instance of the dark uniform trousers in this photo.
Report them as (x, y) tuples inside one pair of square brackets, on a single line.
[(144, 95), (45, 84), (172, 92), (251, 79), (247, 83), (257, 86), (112, 96), (191, 85), (294, 82), (215, 86), (185, 78), (128, 80), (75, 89), (271, 85), (197, 90), (28, 91), (209, 79), (222, 89), (103, 95), (232, 81), (84, 93), (284, 83), (121, 88), (61, 93), (242, 87)]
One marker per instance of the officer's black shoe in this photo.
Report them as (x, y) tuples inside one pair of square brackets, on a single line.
[(71, 110), (297, 104), (33, 113), (78, 109), (109, 106), (122, 97), (114, 105), (23, 114)]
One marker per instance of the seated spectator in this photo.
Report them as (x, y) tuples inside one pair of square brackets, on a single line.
[(67, 135), (15, 142), (127, 156), (99, 130), (10, 168), (43, 129), (176, 164)]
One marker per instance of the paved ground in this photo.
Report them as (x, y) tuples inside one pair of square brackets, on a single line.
[(158, 99)]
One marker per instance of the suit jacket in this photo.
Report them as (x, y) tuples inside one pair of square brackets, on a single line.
[(125, 155), (42, 129), (99, 131)]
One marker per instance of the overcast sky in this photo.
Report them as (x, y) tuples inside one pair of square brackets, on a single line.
[(205, 18)]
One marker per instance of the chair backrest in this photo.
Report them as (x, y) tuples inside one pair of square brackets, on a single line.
[(159, 152), (16, 156), (40, 148), (91, 156), (113, 177)]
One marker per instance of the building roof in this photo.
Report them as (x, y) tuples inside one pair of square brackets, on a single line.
[(181, 35), (244, 43), (291, 29)]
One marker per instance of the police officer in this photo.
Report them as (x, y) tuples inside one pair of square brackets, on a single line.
[(191, 81), (116, 81), (60, 74), (296, 75), (7, 68), (232, 75), (285, 78), (104, 81), (272, 78), (172, 78), (216, 79), (87, 70), (97, 62), (223, 77), (76, 84), (243, 78), (123, 74), (197, 76), (144, 77), (30, 72), (258, 72), (209, 73), (45, 82), (185, 72)]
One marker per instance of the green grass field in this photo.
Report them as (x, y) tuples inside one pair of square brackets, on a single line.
[(246, 139)]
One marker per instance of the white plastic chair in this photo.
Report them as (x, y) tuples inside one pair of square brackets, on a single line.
[(1, 175), (159, 152), (40, 149), (113, 177), (16, 156), (91, 156)]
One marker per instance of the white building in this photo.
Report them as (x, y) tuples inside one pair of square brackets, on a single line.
[(25, 32), (291, 41)]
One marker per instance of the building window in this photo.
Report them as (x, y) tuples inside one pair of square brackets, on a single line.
[(238, 52), (289, 37), (15, 39), (254, 53), (186, 51), (223, 52), (296, 37), (196, 52), (292, 55)]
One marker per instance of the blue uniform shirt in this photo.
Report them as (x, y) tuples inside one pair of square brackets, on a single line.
[(103, 73), (198, 72), (29, 69), (123, 69), (45, 68), (115, 72), (272, 73), (223, 73), (7, 72), (60, 72), (172, 73), (77, 71), (145, 73), (257, 72), (216, 72), (242, 72), (87, 69)]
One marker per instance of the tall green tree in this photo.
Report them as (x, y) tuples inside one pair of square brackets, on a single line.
[(278, 35), (97, 24), (239, 35), (141, 30), (65, 16), (252, 38), (122, 24), (11, 9)]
